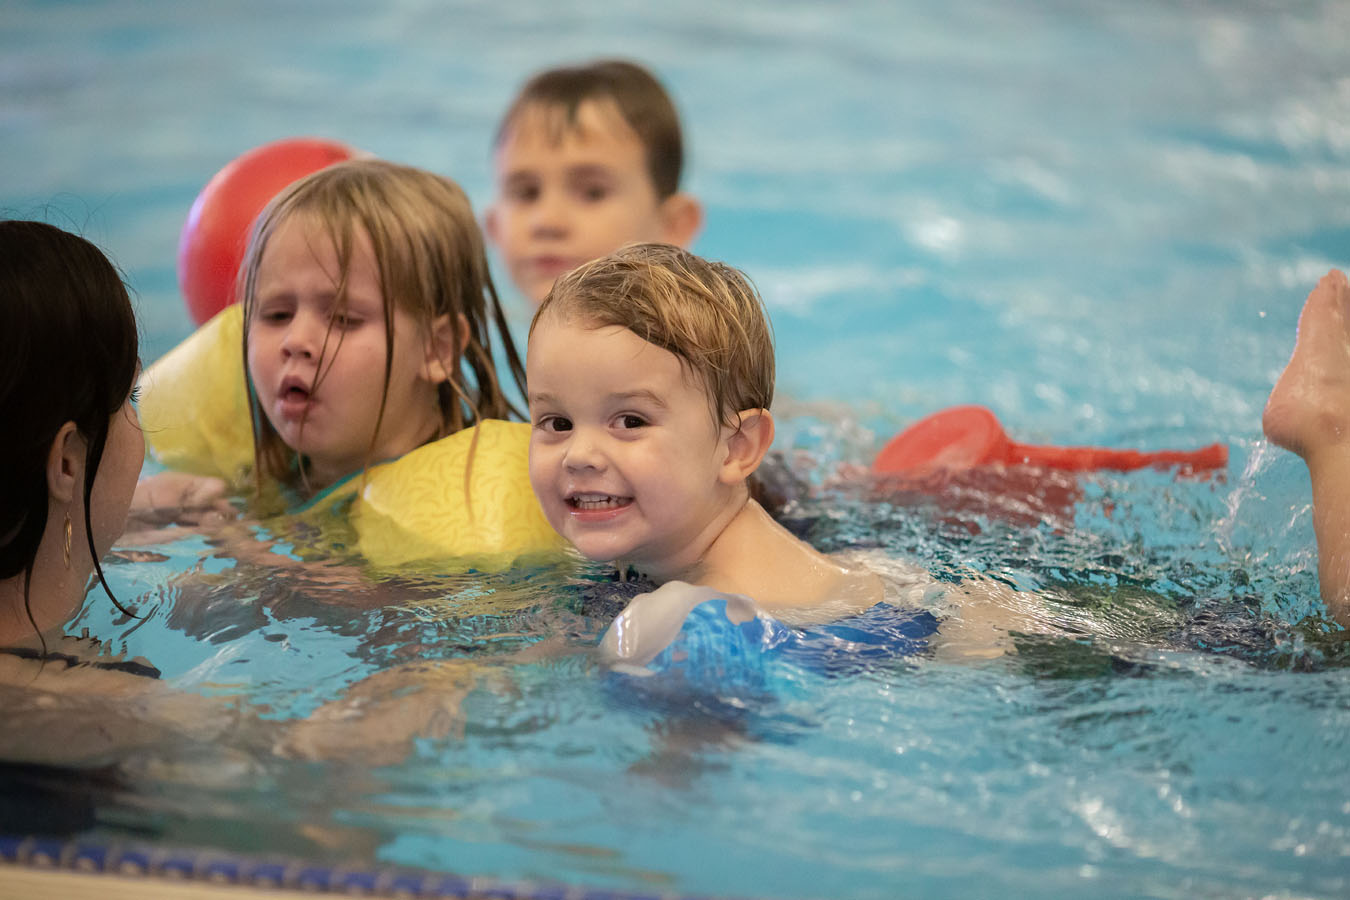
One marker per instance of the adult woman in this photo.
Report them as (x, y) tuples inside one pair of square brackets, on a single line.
[(68, 470), (69, 467)]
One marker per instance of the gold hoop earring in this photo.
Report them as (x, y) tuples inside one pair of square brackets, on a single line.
[(67, 547)]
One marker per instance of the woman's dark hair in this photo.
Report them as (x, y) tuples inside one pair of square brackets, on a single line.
[(68, 353)]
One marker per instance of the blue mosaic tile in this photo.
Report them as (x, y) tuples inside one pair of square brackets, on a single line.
[(550, 892), (89, 858), (406, 884), (450, 886), (133, 862), (44, 852), (356, 881), (313, 878), (176, 866), (184, 865), (265, 874), (221, 871), (11, 847)]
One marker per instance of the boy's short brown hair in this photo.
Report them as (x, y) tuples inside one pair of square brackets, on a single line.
[(706, 313), (638, 96)]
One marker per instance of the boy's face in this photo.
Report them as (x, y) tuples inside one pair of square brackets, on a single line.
[(568, 194), (625, 458)]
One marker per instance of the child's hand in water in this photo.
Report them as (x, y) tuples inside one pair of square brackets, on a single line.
[(168, 498), (1309, 409)]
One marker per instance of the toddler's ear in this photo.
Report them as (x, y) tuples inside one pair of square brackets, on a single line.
[(747, 445), (446, 342), (681, 219)]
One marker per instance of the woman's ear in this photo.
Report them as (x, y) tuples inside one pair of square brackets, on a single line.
[(65, 463), (747, 445), (681, 219), (448, 338)]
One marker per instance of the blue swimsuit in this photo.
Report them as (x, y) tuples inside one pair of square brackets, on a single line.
[(713, 655)]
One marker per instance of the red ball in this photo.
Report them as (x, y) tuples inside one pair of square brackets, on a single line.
[(211, 245)]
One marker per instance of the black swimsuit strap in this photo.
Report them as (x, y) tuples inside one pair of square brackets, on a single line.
[(131, 667)]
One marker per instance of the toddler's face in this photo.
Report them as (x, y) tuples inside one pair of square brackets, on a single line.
[(329, 412), (625, 458), (564, 202)]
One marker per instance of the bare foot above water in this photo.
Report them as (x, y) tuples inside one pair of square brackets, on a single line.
[(1309, 408)]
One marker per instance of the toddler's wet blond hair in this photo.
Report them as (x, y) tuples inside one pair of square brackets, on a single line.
[(706, 313)]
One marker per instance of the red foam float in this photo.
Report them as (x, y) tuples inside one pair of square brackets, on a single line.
[(968, 437), (212, 242)]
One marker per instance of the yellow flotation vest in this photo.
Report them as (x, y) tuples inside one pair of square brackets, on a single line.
[(193, 405), (466, 496)]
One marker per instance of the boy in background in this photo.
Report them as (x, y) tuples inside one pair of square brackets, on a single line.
[(587, 159)]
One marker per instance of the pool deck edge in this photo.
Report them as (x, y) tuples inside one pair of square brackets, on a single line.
[(32, 883)]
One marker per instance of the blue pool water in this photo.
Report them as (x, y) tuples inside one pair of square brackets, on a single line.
[(1098, 219)]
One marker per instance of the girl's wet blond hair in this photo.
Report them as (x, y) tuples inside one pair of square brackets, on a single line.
[(431, 261), (706, 313)]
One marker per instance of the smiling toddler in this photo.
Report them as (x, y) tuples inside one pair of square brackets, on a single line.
[(650, 375)]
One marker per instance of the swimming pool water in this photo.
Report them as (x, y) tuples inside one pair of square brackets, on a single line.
[(1098, 219)]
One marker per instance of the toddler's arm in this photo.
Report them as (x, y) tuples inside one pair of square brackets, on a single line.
[(1309, 413)]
